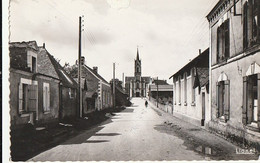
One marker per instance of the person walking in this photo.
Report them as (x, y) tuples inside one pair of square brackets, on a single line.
[(146, 103)]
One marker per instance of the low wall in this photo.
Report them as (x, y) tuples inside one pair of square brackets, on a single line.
[(168, 108)]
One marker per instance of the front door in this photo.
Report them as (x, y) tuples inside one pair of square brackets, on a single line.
[(203, 109)]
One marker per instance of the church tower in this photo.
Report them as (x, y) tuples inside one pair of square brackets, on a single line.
[(137, 75)]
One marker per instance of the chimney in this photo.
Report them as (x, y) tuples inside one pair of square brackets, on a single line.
[(95, 69), (43, 45)]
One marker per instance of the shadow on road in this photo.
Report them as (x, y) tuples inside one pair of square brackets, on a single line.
[(128, 110)]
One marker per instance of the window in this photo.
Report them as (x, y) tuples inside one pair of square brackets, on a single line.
[(223, 42), (250, 23), (185, 88), (71, 93), (192, 86), (46, 97), (222, 94), (250, 104), (27, 96), (32, 61)]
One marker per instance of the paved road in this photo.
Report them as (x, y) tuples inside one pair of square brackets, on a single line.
[(133, 134)]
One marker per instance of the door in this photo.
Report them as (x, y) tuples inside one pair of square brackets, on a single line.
[(203, 109)]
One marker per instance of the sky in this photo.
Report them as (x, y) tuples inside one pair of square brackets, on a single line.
[(168, 33)]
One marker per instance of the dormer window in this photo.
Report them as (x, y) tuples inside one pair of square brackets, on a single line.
[(32, 61)]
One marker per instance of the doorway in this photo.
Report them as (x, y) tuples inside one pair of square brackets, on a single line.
[(203, 109)]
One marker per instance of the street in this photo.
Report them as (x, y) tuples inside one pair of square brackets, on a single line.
[(139, 133)]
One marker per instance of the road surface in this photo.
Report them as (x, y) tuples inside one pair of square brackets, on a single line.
[(137, 133)]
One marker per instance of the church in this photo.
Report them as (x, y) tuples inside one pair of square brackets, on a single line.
[(137, 85)]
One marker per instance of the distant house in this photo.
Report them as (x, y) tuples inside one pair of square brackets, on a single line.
[(121, 97), (191, 90), (163, 90), (67, 88), (34, 86), (97, 94)]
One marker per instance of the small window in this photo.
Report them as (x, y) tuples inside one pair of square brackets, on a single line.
[(34, 64), (71, 93)]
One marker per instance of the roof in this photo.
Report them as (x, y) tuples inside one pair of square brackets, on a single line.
[(29, 44), (160, 82), (62, 74), (201, 60), (94, 72), (129, 78), (203, 74), (161, 88)]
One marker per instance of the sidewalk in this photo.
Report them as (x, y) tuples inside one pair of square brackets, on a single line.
[(201, 140), (31, 141)]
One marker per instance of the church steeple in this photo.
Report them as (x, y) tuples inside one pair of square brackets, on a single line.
[(137, 56)]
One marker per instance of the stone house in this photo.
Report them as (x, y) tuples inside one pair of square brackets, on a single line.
[(34, 86), (67, 88), (97, 93), (235, 70), (191, 90)]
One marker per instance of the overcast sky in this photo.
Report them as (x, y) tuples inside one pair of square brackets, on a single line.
[(168, 32)]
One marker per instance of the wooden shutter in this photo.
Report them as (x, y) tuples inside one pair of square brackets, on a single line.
[(29, 60), (32, 97), (258, 92), (226, 37), (48, 97), (245, 20), (250, 104), (218, 41), (217, 99), (227, 100), (258, 18), (20, 97), (44, 98), (244, 109)]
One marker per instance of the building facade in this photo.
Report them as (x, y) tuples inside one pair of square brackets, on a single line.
[(34, 94), (235, 70), (96, 91), (191, 90), (137, 85)]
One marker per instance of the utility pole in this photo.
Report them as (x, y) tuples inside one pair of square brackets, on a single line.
[(79, 72), (114, 90), (157, 92)]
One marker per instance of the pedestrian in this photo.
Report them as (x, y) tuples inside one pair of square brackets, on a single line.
[(146, 103)]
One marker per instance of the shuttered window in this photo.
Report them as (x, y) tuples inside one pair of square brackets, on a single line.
[(46, 97), (223, 99), (223, 42), (251, 98)]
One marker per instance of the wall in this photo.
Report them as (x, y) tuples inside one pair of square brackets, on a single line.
[(68, 104), (190, 111)]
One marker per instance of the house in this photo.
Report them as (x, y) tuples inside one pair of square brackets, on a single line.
[(191, 90), (34, 86), (137, 85), (235, 69), (68, 88), (160, 94), (121, 97), (97, 93)]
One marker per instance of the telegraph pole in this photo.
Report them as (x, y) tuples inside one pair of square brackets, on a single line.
[(79, 71)]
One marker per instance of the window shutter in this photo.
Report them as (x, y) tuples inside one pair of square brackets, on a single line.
[(258, 18), (32, 104), (258, 107), (218, 39), (226, 34), (20, 97), (217, 99), (244, 109), (227, 100), (29, 60), (249, 100), (44, 98), (48, 98), (245, 42)]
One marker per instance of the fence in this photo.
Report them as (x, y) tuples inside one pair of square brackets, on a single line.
[(168, 108)]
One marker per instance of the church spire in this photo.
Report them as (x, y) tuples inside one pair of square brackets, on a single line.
[(137, 56)]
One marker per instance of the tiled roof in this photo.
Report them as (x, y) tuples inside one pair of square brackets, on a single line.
[(30, 44), (161, 87), (99, 76), (65, 78), (201, 60)]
